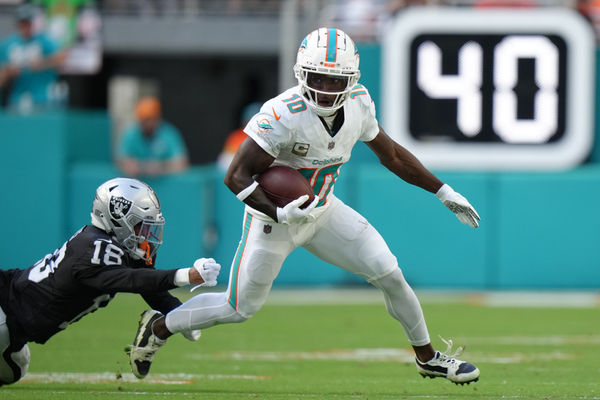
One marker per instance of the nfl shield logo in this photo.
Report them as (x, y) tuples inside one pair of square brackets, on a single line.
[(331, 145), (267, 228)]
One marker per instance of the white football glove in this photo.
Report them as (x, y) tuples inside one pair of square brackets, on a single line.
[(192, 334), (292, 213), (208, 269), (458, 205)]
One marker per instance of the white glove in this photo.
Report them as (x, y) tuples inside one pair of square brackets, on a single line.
[(208, 269), (192, 334), (458, 205), (292, 213)]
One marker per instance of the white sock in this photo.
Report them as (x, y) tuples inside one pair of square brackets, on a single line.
[(201, 312), (402, 304)]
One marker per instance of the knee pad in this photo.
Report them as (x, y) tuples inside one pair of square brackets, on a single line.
[(263, 267), (238, 317), (391, 281)]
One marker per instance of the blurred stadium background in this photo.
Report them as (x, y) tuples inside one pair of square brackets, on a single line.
[(206, 59)]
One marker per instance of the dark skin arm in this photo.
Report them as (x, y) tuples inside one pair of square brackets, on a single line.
[(251, 160), (403, 163)]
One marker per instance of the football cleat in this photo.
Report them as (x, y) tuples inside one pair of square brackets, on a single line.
[(449, 367), (145, 345)]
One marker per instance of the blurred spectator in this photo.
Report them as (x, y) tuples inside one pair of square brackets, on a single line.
[(75, 25), (361, 19), (151, 147), (236, 137), (506, 3), (28, 65)]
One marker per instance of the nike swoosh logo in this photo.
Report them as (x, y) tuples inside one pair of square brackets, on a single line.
[(277, 117)]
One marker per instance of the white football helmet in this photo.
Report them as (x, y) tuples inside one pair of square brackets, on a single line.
[(327, 51), (129, 210)]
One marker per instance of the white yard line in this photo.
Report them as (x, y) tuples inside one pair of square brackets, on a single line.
[(333, 396), (368, 295), (374, 355), (111, 377)]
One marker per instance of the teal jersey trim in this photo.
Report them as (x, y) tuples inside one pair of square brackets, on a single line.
[(233, 294)]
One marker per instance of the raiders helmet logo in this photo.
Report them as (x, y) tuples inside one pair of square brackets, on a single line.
[(119, 207)]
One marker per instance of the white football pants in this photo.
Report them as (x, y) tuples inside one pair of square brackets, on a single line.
[(339, 236)]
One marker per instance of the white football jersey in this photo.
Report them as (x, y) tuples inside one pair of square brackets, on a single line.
[(289, 130)]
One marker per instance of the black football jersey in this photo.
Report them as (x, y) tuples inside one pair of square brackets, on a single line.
[(78, 278)]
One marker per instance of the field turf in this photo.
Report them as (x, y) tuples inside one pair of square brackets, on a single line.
[(330, 352)]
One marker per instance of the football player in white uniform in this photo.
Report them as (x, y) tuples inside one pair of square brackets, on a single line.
[(313, 127)]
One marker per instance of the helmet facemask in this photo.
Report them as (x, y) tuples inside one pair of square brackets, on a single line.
[(145, 239), (319, 98)]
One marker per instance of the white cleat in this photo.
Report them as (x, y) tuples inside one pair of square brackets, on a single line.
[(447, 366)]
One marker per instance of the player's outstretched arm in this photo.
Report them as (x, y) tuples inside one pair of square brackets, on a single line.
[(404, 164)]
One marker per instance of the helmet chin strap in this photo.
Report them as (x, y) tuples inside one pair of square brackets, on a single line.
[(138, 253), (327, 113)]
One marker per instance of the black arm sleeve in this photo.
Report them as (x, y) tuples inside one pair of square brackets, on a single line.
[(99, 263), (125, 279), (161, 301)]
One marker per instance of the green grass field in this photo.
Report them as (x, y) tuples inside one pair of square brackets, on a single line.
[(305, 352)]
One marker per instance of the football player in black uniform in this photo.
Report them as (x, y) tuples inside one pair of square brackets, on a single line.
[(116, 253)]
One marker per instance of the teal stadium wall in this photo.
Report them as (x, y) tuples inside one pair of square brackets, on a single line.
[(538, 231)]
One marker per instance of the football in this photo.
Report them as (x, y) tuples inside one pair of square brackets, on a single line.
[(284, 184)]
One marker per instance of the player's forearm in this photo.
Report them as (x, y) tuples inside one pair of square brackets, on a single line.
[(130, 280), (409, 168), (129, 166), (257, 199), (250, 161), (403, 163)]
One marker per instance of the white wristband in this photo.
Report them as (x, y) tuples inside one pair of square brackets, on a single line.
[(443, 191), (247, 192), (182, 277)]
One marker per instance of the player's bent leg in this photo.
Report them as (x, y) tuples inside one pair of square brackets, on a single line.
[(203, 311), (14, 358), (200, 312), (402, 303), (345, 238), (259, 257), (14, 365)]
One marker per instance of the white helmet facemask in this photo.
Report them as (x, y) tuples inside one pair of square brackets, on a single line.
[(330, 52)]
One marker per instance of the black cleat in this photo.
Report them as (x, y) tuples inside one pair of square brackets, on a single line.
[(145, 345)]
